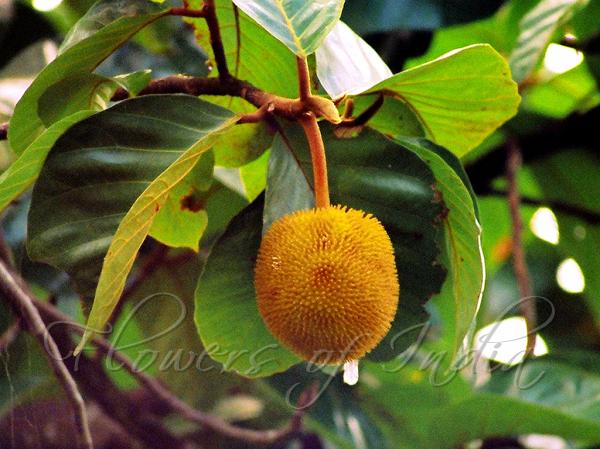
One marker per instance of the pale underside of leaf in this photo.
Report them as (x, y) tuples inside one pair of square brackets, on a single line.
[(299, 24), (347, 65)]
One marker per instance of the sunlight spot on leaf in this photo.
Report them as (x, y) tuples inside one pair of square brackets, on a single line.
[(544, 226), (45, 5), (505, 341), (560, 59), (570, 277)]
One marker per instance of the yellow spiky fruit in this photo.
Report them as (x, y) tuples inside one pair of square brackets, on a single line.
[(326, 283)]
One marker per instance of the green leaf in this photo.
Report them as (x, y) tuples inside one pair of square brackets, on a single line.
[(571, 91), (288, 188), (137, 222), (536, 31), (544, 397), (182, 219), (346, 64), (82, 92), (101, 14), (299, 24), (134, 82), (226, 314), (244, 143), (79, 59), (460, 98), (24, 171), (252, 54), (378, 176), (249, 180), (139, 148), (86, 91), (563, 395), (462, 231), (394, 117)]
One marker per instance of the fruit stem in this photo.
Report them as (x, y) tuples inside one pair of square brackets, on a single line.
[(317, 154), (303, 79), (313, 135)]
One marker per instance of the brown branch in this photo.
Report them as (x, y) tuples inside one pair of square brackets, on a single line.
[(210, 15), (364, 116), (527, 302), (176, 405), (284, 107), (262, 113), (23, 305), (186, 12), (10, 335), (138, 416)]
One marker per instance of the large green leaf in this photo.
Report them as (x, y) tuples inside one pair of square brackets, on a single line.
[(92, 180), (23, 172), (299, 24), (226, 312), (346, 64), (543, 397), (572, 91), (252, 54), (79, 59), (460, 98), (537, 28), (374, 174), (462, 231), (81, 92)]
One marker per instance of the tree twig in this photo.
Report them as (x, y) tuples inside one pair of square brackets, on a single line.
[(10, 335), (139, 417), (365, 115), (284, 107), (262, 113), (176, 405), (578, 130), (23, 305), (210, 15), (187, 12), (527, 302)]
